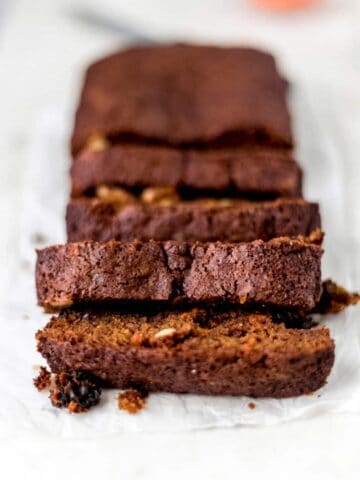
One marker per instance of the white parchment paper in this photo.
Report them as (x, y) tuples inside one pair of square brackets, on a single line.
[(42, 223)]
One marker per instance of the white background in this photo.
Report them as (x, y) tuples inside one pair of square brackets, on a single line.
[(43, 51)]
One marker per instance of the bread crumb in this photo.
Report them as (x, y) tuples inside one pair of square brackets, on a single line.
[(74, 407), (132, 401), (335, 299), (38, 238), (76, 391), (43, 380)]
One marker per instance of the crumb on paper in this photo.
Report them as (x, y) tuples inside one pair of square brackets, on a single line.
[(74, 407), (76, 391), (38, 238), (132, 401), (43, 380), (335, 299), (252, 405)]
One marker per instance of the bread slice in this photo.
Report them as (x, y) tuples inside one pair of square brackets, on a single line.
[(233, 171), (117, 216), (184, 94), (282, 272), (202, 351)]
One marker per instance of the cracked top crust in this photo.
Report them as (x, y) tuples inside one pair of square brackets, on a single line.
[(281, 272)]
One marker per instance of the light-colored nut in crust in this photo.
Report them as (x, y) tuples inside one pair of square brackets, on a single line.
[(164, 196), (165, 332), (218, 202), (115, 195), (57, 304), (97, 142), (316, 236)]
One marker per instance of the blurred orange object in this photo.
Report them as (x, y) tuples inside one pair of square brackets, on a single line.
[(284, 4)]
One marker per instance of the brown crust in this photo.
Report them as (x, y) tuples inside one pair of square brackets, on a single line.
[(240, 221), (256, 170), (184, 94), (198, 351), (282, 272)]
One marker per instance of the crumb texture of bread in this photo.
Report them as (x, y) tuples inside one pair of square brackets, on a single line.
[(203, 351), (282, 272), (205, 221), (184, 94)]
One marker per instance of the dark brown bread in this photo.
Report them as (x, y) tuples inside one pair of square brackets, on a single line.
[(200, 351), (281, 272), (262, 171), (184, 94), (206, 221)]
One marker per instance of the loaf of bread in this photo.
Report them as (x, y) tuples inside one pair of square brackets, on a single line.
[(118, 215), (282, 272), (226, 352), (184, 95), (230, 172)]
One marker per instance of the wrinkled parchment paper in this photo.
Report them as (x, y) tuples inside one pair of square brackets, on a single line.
[(42, 223)]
